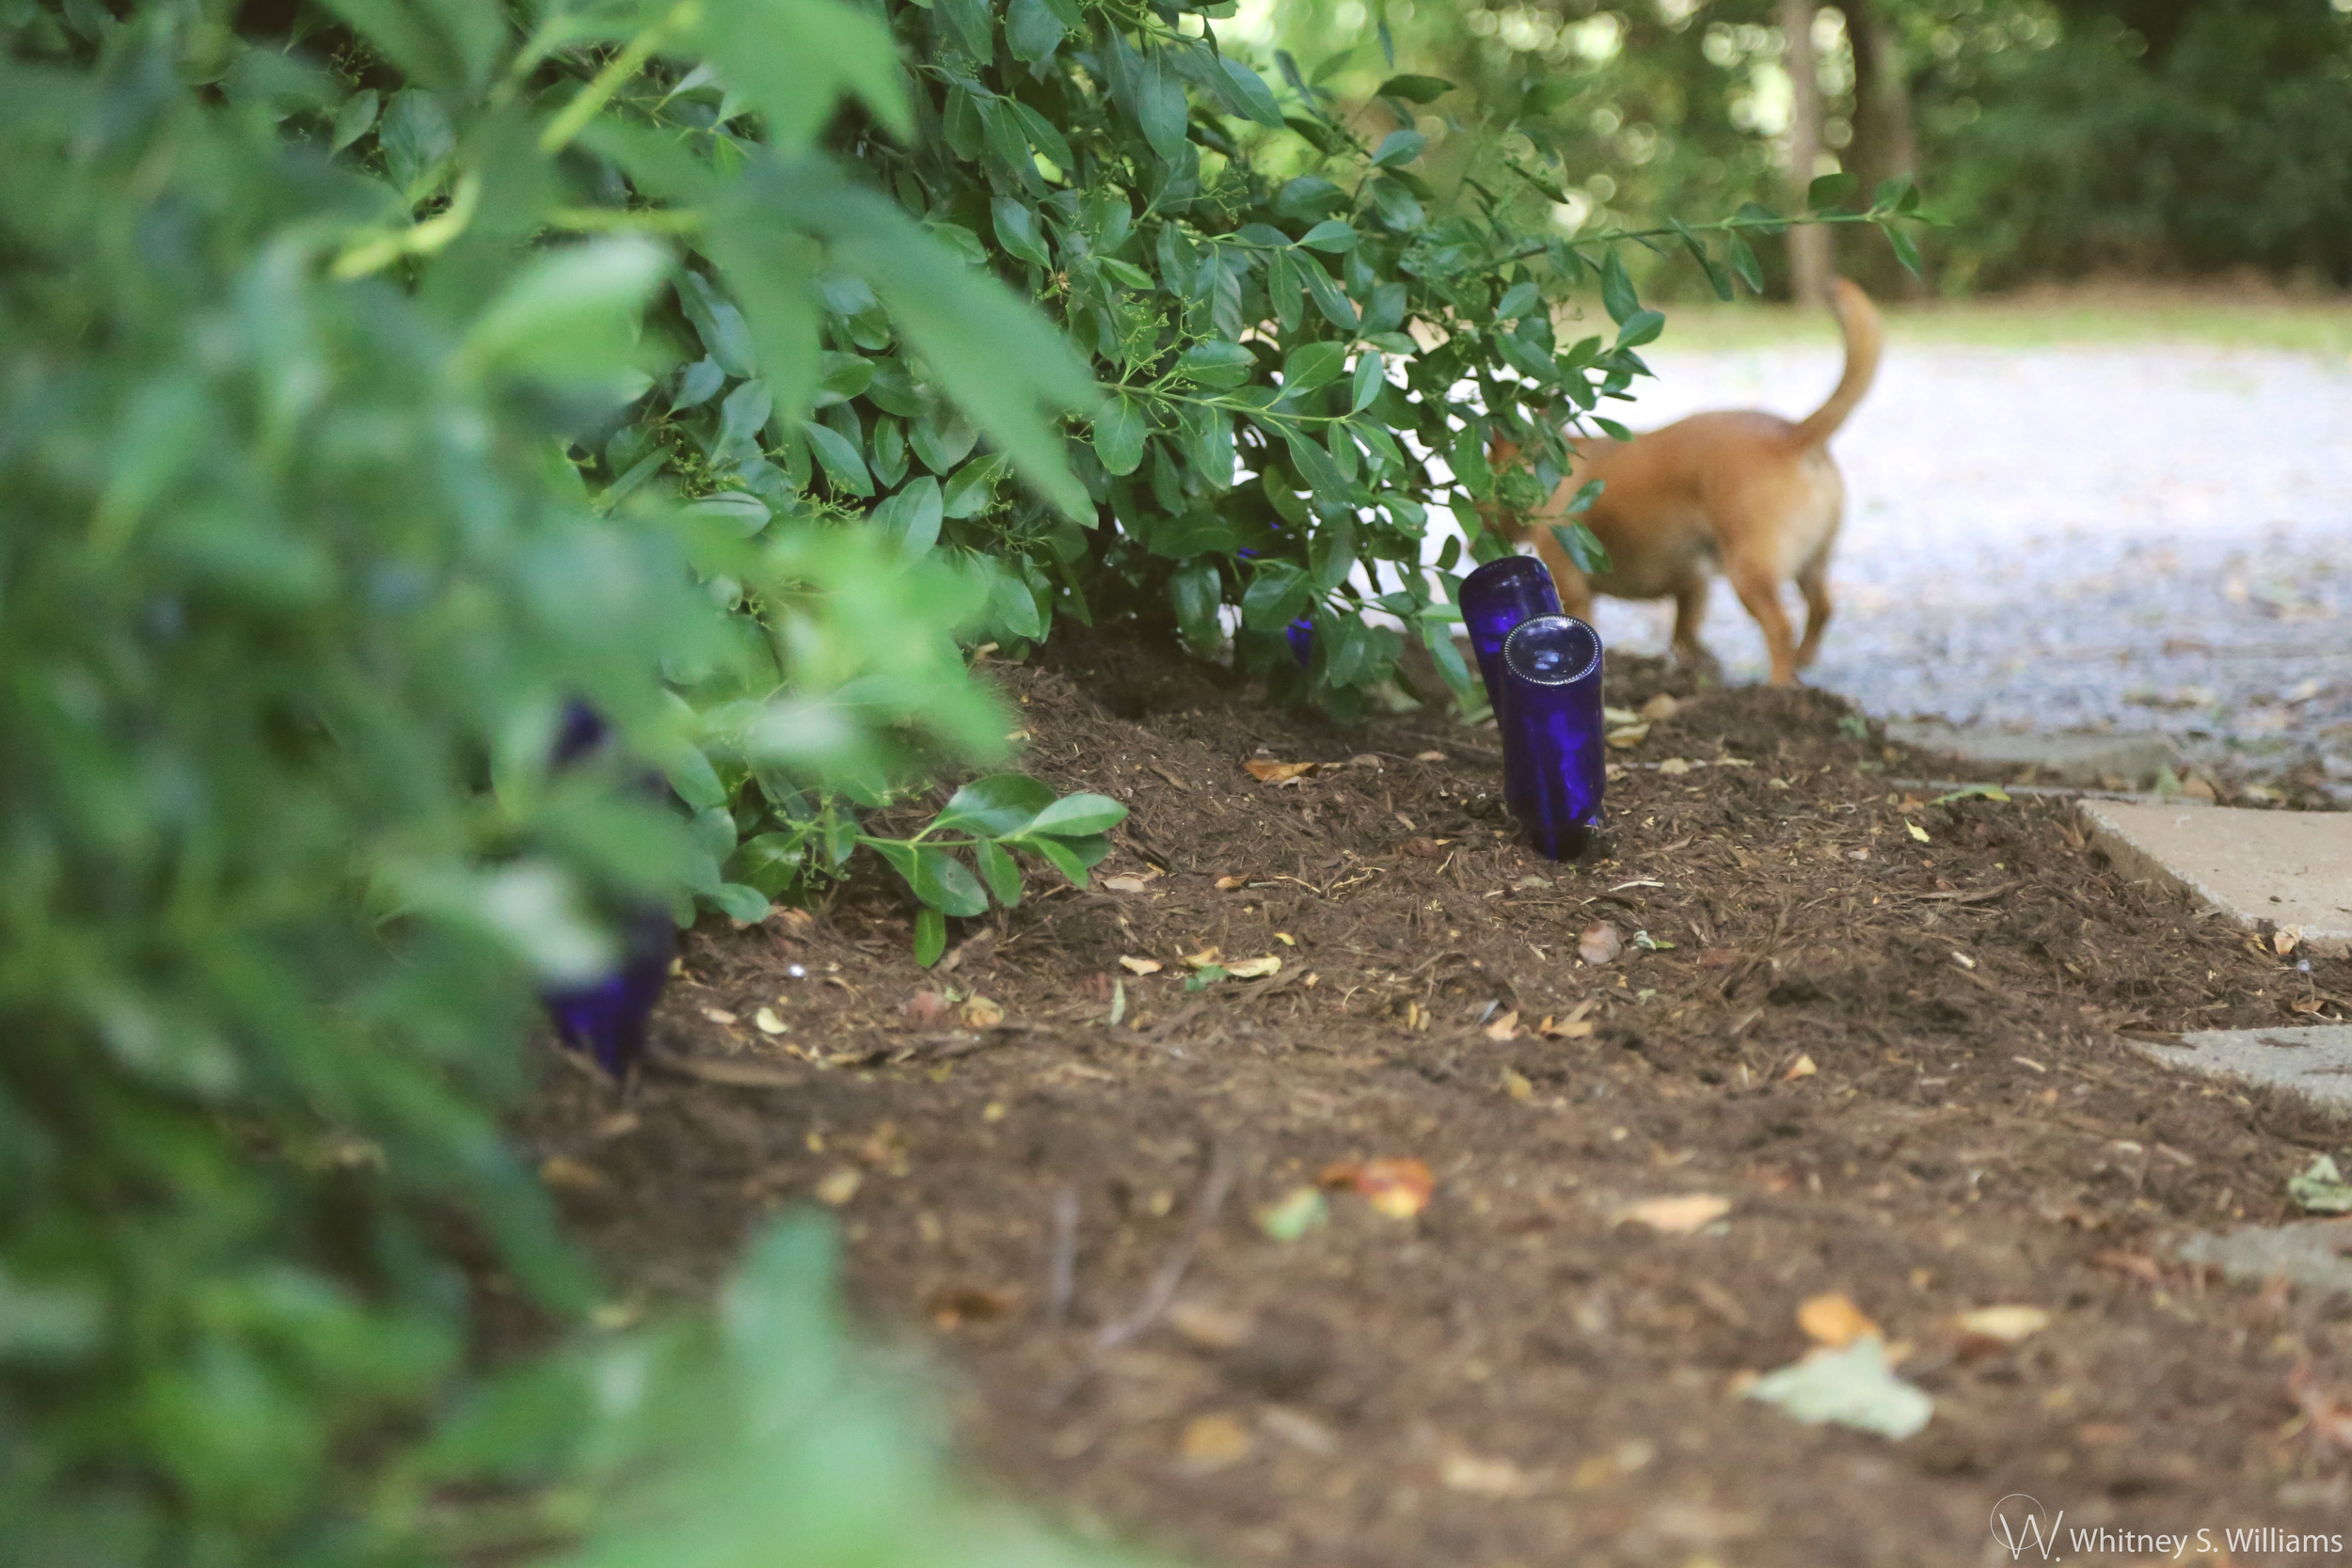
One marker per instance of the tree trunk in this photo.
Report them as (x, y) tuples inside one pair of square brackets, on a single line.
[(1885, 145), (1808, 247)]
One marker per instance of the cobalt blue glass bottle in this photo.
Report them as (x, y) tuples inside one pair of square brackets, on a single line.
[(1495, 599), (1301, 635), (1554, 764), (607, 1017)]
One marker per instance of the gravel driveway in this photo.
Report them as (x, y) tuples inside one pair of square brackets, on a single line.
[(2156, 537)]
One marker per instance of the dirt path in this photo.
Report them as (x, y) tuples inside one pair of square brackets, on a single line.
[(2157, 537), (1898, 1063)]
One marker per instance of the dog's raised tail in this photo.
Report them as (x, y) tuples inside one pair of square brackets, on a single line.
[(1865, 335)]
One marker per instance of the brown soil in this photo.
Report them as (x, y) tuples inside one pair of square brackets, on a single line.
[(1518, 1374)]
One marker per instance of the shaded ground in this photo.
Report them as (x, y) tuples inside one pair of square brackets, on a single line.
[(2045, 535), (1900, 1062)]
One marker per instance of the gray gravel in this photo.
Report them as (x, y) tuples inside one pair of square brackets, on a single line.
[(2144, 538)]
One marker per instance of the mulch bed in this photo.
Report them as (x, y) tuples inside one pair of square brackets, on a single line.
[(1892, 1033)]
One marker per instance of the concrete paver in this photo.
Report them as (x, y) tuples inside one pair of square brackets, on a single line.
[(2287, 868), (2315, 1253), (2069, 756), (2316, 1061)]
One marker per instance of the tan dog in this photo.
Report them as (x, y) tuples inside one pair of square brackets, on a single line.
[(1744, 490)]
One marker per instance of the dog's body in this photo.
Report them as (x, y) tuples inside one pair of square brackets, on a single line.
[(1751, 493)]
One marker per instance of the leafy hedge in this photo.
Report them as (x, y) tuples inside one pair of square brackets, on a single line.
[(377, 380)]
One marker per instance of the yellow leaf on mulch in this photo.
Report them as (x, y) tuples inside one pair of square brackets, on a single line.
[(981, 1013), (1140, 966), (1676, 1216), (2007, 1325), (1277, 773), (1213, 1442), (1916, 831), (1227, 884), (1629, 737), (1398, 1188), (1203, 958), (1482, 1478), (1253, 969), (1832, 1319), (1801, 1067), (1504, 1028)]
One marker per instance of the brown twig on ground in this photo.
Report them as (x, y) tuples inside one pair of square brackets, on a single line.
[(1155, 1301)]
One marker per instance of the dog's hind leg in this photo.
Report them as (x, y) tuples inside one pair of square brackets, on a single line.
[(1759, 587), (1813, 582), (1689, 614)]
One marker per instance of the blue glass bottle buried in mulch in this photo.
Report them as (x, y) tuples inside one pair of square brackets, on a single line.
[(1543, 672), (605, 1018)]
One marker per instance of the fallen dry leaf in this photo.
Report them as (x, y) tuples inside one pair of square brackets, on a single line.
[(1215, 1327), (1427, 848), (1676, 1216), (1213, 1442), (1517, 1085), (1801, 1067), (1227, 884), (1203, 958), (1504, 1028), (1916, 831), (1140, 966), (1482, 1478), (1428, 756), (1397, 1188), (2007, 1325), (1629, 736), (953, 1306), (1661, 707), (839, 1186), (1832, 1319), (1126, 884), (1277, 773), (1599, 944), (567, 1174), (1253, 969), (796, 923), (981, 1013), (2283, 940), (1570, 1028), (767, 1023), (717, 1015), (1673, 768)]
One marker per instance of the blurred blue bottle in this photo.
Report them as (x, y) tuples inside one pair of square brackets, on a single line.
[(1554, 761), (1495, 599), (607, 1017), (1301, 635)]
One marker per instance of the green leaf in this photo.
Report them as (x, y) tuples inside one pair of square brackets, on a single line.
[(1061, 854), (1250, 89), (1522, 299), (1336, 307), (1743, 263), (972, 489), (354, 118), (843, 464), (911, 518), (1076, 817), (999, 871), (930, 936), (996, 806), (570, 314), (1218, 364), (1278, 594), (946, 883), (1042, 134), (724, 334), (1371, 376), (1767, 222), (1119, 429), (1160, 107), (1313, 365), (1641, 327), (1415, 89), (1616, 289), (972, 26), (1334, 236), (793, 59), (739, 902), (1399, 148), (1017, 231), (1830, 191), (1033, 32), (1323, 476), (1905, 250), (1583, 547)]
